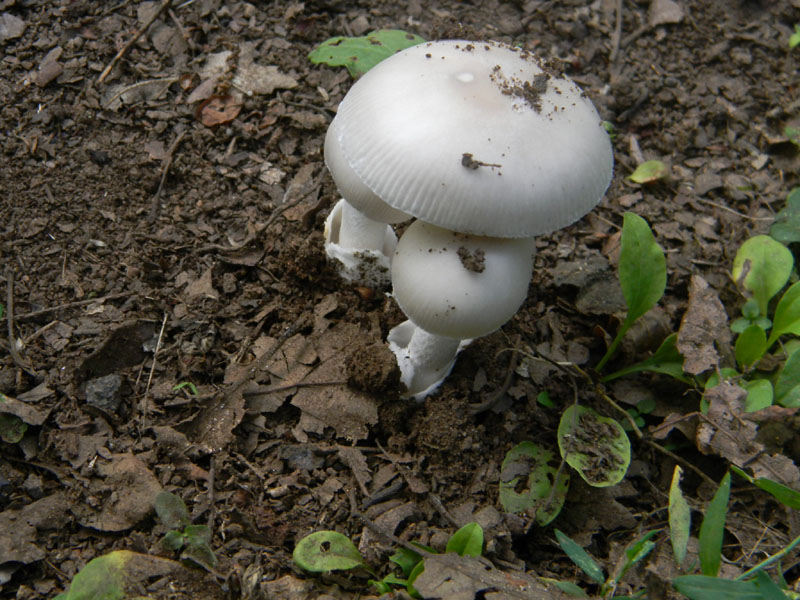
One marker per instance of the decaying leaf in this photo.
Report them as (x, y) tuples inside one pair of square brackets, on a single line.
[(463, 578), (49, 512), (725, 433), (124, 492), (704, 323)]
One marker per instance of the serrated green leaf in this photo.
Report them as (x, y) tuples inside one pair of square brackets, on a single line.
[(786, 228), (787, 314), (759, 394), (750, 347), (667, 360), (648, 172), (171, 510), (327, 551), (580, 557), (680, 518), (713, 528), (787, 385), (703, 587), (527, 476), (595, 446), (762, 266), (360, 54), (467, 541)]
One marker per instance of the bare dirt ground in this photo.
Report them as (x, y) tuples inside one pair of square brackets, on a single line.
[(159, 228)]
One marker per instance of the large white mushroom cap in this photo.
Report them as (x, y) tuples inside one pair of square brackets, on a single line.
[(477, 137)]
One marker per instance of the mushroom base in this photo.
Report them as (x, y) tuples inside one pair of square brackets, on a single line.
[(362, 247), (425, 359)]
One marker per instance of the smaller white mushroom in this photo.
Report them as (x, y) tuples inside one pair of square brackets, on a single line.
[(452, 287), (357, 233)]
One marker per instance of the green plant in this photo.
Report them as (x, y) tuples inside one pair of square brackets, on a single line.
[(192, 541), (649, 172), (359, 54), (794, 39), (186, 384), (330, 551)]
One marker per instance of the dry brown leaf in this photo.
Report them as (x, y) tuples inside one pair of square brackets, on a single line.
[(704, 323), (217, 110), (122, 495), (725, 433)]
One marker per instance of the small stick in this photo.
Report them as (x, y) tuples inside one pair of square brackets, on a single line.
[(44, 311), (12, 345), (152, 370), (154, 207), (616, 36), (122, 51)]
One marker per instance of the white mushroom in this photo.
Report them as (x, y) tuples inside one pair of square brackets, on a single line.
[(453, 287), (475, 137)]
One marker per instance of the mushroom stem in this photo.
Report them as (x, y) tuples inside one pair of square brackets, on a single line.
[(425, 359), (358, 231), (361, 246)]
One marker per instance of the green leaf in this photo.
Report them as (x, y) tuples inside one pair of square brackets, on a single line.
[(713, 528), (172, 511), (467, 541), (415, 572), (750, 346), (680, 518), (543, 398), (787, 385), (759, 394), (102, 578), (636, 552), (360, 54), (579, 556), (567, 587), (648, 172), (786, 228), (762, 266), (642, 274), (12, 428), (787, 314), (597, 447), (173, 540), (527, 476), (780, 492), (769, 589), (703, 587), (405, 559), (794, 39), (198, 551), (197, 533), (327, 551), (666, 360)]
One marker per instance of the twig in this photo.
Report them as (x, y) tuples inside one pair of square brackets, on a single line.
[(44, 311), (735, 212), (616, 36), (156, 205), (12, 344), (122, 51), (152, 370)]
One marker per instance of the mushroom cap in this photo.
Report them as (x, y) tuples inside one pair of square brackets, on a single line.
[(458, 285), (352, 188), (477, 137)]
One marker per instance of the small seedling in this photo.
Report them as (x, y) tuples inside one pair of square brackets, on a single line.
[(360, 54), (330, 551), (794, 39), (186, 384), (530, 479), (648, 172), (192, 541)]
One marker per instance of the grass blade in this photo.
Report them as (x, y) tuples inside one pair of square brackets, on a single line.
[(579, 556), (680, 518), (713, 528)]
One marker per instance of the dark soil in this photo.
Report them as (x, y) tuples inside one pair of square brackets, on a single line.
[(152, 237)]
